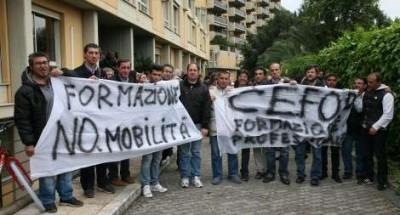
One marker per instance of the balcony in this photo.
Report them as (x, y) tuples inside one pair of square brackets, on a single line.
[(236, 40), (216, 33), (260, 23), (250, 19), (262, 3), (250, 6), (237, 3), (219, 21), (236, 14), (237, 28), (262, 12), (217, 6)]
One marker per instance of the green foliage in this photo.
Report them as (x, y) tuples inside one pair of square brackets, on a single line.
[(222, 42), (143, 64), (357, 54)]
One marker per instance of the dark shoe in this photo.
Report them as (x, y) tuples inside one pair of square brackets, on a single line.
[(268, 178), (216, 181), (118, 182), (89, 193), (285, 180), (50, 208), (72, 203), (106, 189), (234, 179), (347, 176), (259, 175), (129, 180), (323, 176), (337, 179), (299, 180), (360, 181), (314, 182), (244, 177), (381, 187)]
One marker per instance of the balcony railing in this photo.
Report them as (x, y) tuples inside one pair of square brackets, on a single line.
[(221, 21), (250, 19), (234, 12), (250, 6), (237, 27), (262, 2)]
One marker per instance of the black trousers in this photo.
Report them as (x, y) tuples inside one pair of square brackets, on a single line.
[(335, 160), (167, 152), (123, 170), (88, 176), (244, 169), (375, 145)]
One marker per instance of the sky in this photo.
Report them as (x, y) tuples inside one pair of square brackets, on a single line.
[(389, 7)]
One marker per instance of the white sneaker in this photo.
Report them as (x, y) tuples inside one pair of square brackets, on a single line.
[(185, 182), (197, 182), (158, 188), (147, 191)]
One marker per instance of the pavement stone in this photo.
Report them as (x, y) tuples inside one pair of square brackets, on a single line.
[(255, 197)]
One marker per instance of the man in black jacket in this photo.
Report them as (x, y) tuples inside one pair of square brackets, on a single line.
[(353, 137), (124, 75), (33, 104), (90, 69), (196, 99), (311, 79)]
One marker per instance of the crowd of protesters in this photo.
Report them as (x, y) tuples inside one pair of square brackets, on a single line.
[(367, 129)]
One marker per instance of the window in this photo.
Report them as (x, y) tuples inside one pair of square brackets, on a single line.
[(176, 19), (194, 35), (166, 13), (46, 36), (143, 6)]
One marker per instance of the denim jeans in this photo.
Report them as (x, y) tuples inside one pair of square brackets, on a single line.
[(189, 159), (283, 160), (48, 186), (316, 167), (347, 148), (216, 160), (150, 169)]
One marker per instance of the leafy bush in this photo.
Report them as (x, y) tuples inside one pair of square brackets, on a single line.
[(356, 54)]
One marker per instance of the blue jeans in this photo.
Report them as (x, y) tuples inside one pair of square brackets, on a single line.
[(189, 159), (48, 186), (216, 160), (347, 157), (283, 160), (150, 169), (316, 167)]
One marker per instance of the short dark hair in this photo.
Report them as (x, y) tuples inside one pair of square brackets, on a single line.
[(377, 76), (262, 69), (36, 55), (362, 79), (120, 61), (312, 66), (167, 65), (156, 67), (223, 72), (330, 75), (269, 67), (243, 71), (90, 45), (197, 66)]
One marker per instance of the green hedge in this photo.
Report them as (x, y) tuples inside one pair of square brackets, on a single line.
[(356, 54)]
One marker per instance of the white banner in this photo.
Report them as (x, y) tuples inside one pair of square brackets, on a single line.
[(98, 121), (282, 115)]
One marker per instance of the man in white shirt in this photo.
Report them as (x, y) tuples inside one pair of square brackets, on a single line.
[(377, 105)]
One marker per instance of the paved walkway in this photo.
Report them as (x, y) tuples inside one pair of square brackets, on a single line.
[(255, 197)]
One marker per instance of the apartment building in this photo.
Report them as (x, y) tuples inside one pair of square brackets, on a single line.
[(230, 21), (164, 31)]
